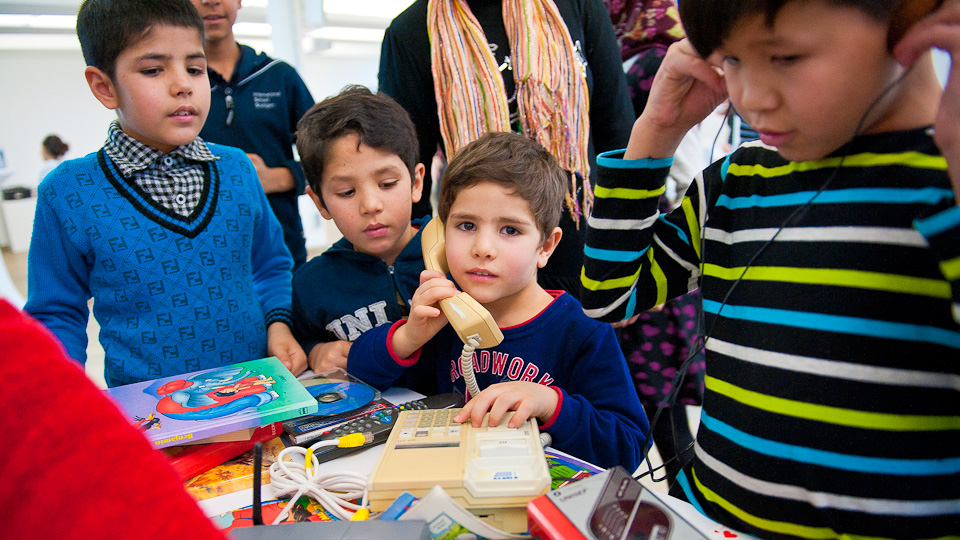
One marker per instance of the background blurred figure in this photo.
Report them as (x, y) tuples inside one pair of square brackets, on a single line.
[(53, 151), (255, 104), (529, 66), (658, 342)]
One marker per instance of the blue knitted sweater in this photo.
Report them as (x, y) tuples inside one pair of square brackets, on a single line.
[(172, 294)]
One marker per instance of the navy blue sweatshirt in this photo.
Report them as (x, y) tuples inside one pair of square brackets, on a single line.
[(343, 292), (257, 111)]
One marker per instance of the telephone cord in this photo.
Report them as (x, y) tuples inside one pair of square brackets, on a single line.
[(466, 365), (335, 492)]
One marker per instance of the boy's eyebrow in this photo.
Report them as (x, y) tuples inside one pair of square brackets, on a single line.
[(163, 57), (503, 220), (386, 169)]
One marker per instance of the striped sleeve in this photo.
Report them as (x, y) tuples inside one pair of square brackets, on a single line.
[(942, 232), (635, 258)]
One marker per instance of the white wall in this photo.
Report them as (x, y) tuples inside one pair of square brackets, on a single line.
[(44, 92)]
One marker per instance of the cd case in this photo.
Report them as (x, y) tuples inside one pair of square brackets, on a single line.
[(340, 397)]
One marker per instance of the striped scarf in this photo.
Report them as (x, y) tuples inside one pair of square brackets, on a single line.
[(551, 84)]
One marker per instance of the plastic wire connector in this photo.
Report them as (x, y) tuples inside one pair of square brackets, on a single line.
[(362, 514), (355, 439)]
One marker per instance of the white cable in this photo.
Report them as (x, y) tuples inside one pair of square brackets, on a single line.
[(335, 492), (466, 365)]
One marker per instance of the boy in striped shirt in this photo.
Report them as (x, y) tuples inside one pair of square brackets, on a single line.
[(828, 254)]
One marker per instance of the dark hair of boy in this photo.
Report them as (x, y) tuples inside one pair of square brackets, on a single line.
[(708, 22), (515, 162), (378, 121), (55, 146), (106, 27)]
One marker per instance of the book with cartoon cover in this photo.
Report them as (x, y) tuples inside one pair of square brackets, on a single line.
[(210, 402)]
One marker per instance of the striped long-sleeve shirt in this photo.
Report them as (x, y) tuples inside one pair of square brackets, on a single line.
[(832, 404)]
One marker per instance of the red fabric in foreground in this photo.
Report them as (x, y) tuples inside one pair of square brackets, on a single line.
[(73, 466)]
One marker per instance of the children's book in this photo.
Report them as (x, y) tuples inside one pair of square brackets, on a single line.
[(233, 436), (235, 474), (210, 402), (305, 509), (189, 460)]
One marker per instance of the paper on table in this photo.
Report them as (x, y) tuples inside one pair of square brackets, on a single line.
[(447, 520)]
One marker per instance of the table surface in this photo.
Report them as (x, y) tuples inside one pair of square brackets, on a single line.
[(365, 460)]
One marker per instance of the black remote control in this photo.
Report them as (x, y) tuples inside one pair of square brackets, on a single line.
[(380, 423)]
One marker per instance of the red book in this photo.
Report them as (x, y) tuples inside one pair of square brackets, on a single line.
[(194, 459), (547, 522)]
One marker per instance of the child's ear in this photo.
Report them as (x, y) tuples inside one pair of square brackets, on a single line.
[(316, 200), (549, 245), (417, 182), (102, 87)]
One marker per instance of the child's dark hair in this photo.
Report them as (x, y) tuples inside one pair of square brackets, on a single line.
[(106, 28), (378, 121), (55, 146), (708, 23), (515, 162)]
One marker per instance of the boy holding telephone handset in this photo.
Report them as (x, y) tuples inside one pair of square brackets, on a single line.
[(828, 254), (500, 203)]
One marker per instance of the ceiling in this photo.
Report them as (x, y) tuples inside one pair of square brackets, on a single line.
[(49, 24)]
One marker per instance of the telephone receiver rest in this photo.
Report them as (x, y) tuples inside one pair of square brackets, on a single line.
[(466, 315), (906, 15)]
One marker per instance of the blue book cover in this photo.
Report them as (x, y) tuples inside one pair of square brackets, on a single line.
[(201, 404)]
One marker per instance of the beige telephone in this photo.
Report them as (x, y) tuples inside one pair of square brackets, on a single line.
[(472, 322), (491, 471)]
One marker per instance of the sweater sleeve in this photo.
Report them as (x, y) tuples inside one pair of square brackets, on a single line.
[(634, 257), (272, 264), (942, 232), (600, 418), (58, 278)]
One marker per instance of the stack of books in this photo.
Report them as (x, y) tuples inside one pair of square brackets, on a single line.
[(204, 418)]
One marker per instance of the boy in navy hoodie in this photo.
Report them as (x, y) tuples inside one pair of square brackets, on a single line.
[(500, 202), (256, 102), (359, 153)]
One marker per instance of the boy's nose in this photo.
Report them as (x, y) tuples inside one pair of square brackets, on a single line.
[(370, 203), (181, 84), (483, 246), (756, 94)]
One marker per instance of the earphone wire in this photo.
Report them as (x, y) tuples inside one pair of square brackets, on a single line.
[(681, 373), (702, 339)]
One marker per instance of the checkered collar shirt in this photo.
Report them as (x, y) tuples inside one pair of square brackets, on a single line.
[(174, 180)]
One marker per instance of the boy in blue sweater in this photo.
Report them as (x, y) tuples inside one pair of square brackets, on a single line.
[(500, 202), (359, 153), (172, 237)]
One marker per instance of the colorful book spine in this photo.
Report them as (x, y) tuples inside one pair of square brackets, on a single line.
[(189, 461)]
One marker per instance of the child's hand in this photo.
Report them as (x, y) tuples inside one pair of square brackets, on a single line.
[(528, 399), (425, 319), (685, 90), (327, 356), (941, 30), (273, 179), (282, 344)]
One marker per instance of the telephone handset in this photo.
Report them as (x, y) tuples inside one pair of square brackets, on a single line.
[(472, 322), (906, 15)]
